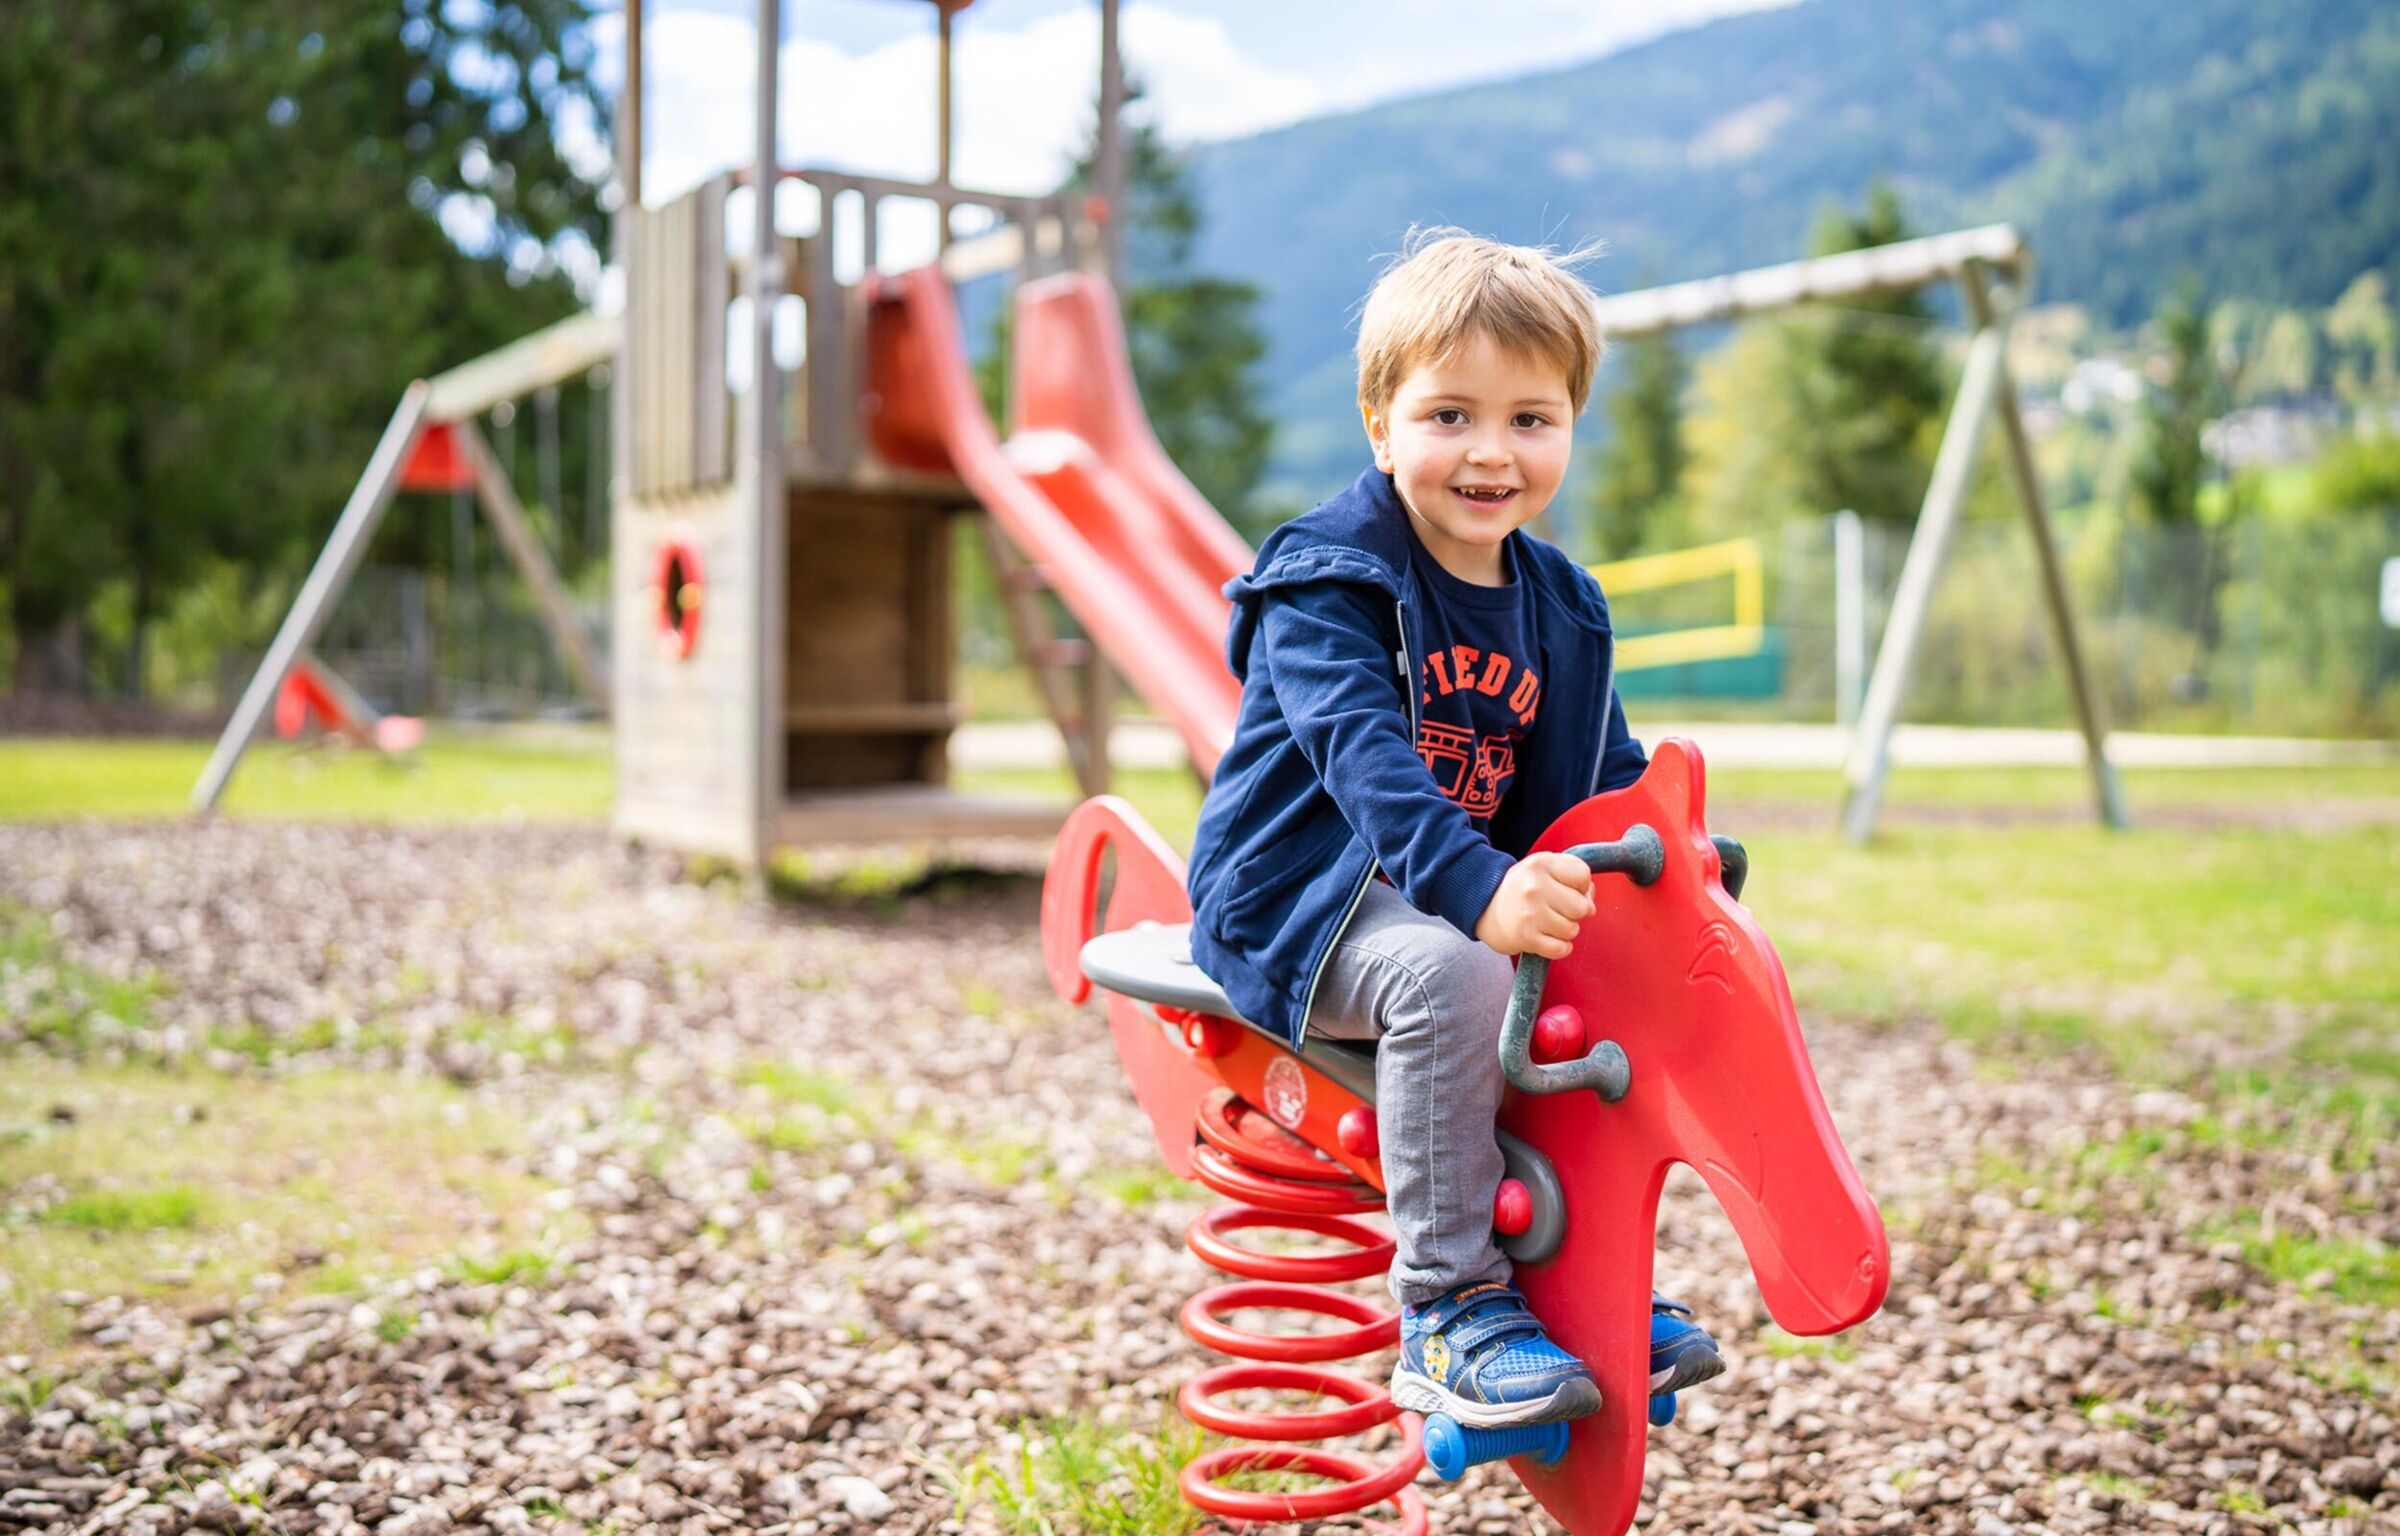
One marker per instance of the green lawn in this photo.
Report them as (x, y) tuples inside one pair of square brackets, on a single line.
[(179, 1186), (457, 777), (2275, 942)]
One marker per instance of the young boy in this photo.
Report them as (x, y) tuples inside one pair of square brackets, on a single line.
[(1424, 690)]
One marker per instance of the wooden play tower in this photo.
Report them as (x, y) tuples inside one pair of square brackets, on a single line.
[(784, 602)]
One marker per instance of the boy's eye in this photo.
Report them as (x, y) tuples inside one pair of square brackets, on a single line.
[(1532, 419), (1450, 416)]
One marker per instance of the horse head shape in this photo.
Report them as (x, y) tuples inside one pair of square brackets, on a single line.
[(1676, 973)]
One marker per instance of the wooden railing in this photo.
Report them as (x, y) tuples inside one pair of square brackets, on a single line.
[(685, 281)]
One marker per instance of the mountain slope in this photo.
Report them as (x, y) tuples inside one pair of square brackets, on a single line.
[(2134, 141)]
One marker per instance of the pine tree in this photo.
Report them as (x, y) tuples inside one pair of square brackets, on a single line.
[(2167, 476), (2184, 574), (1867, 382), (221, 259), (1641, 469), (1195, 337)]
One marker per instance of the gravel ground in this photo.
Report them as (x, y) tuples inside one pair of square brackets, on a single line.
[(818, 1349)]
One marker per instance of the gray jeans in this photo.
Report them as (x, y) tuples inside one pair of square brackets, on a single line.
[(1435, 997)]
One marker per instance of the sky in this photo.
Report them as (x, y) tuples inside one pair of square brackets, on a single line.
[(858, 75)]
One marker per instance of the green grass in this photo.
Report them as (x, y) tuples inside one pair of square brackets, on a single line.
[(2150, 793), (2364, 1272), (529, 1266), (788, 1084), (1139, 1188), (2122, 943), (457, 776), (419, 1171), (61, 1007), (1784, 1346), (1076, 1477)]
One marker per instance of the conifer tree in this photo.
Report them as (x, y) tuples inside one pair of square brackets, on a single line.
[(222, 257), (1641, 469), (1195, 337), (1867, 381), (2167, 476)]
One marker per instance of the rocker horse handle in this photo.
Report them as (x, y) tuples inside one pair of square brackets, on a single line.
[(1641, 856)]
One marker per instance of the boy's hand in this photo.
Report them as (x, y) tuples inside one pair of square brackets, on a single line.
[(1539, 902)]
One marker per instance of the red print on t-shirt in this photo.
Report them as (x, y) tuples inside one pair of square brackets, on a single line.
[(1470, 767)]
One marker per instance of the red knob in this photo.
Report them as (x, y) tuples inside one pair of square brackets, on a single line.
[(1356, 1132), (1512, 1208), (1208, 1035), (1558, 1034)]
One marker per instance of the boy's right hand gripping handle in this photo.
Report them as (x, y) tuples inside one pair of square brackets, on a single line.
[(1641, 856)]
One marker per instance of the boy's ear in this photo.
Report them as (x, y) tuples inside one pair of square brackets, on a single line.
[(1377, 437)]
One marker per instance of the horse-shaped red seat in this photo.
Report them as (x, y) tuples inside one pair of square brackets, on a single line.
[(1676, 973)]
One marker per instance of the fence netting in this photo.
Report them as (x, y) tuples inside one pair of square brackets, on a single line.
[(2254, 627)]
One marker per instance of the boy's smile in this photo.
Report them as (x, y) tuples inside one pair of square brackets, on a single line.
[(1476, 444)]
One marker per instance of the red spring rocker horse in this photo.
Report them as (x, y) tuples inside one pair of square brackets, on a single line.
[(1667, 1036)]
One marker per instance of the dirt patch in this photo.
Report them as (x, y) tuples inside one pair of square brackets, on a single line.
[(63, 714), (857, 1190)]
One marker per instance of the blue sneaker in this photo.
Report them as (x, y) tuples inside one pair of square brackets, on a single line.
[(1681, 1352), (1480, 1356)]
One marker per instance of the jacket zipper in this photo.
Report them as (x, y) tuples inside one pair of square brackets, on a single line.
[(1408, 691), (1608, 689)]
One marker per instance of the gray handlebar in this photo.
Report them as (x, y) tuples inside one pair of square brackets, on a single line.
[(1641, 856), (1733, 865)]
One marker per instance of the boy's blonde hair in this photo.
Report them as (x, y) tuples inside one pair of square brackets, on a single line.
[(1449, 285)]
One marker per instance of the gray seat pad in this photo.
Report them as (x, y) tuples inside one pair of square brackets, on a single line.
[(1152, 963)]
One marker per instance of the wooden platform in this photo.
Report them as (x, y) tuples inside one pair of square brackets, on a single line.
[(910, 813)]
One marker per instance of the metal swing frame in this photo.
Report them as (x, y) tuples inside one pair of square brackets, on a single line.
[(1991, 266)]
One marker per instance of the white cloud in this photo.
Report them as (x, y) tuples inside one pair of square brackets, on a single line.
[(1025, 94), (1024, 99), (1422, 45), (1200, 84)]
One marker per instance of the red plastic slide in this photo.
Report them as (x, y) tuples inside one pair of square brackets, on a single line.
[(1081, 486)]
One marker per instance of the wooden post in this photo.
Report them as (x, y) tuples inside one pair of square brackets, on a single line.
[(2108, 794), (1099, 718), (1083, 724), (1945, 503), (1109, 160), (629, 112), (326, 578), (762, 443), (624, 238), (941, 136), (499, 502)]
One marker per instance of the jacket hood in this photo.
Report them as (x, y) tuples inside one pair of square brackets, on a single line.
[(1362, 536)]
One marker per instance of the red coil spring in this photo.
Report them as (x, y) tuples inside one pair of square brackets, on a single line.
[(1285, 1185)]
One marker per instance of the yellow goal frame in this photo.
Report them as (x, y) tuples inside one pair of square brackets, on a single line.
[(1745, 636)]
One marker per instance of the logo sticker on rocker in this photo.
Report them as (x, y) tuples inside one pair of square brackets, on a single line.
[(1287, 1092), (1437, 1358)]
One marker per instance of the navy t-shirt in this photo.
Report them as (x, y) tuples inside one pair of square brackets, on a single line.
[(1478, 687)]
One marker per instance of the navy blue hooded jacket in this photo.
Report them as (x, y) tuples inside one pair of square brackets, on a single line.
[(1323, 786)]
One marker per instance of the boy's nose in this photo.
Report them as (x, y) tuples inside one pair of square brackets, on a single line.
[(1486, 450)]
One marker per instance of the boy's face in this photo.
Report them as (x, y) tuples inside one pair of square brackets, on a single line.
[(1476, 444)]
